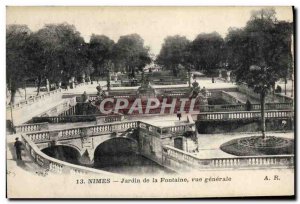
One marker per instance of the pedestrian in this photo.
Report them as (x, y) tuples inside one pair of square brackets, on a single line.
[(179, 115), (18, 146), (248, 105)]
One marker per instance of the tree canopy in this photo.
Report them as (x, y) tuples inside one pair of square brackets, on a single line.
[(265, 43), (207, 51), (17, 37), (100, 51), (174, 52), (130, 52), (58, 52)]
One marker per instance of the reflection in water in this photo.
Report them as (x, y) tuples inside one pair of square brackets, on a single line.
[(117, 156), (63, 153), (130, 164)]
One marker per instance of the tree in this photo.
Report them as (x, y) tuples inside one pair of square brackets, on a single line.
[(174, 51), (207, 51), (100, 51), (62, 53), (16, 58), (262, 54), (131, 53)]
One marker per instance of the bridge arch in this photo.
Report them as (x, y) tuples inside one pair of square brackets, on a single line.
[(66, 153), (115, 151)]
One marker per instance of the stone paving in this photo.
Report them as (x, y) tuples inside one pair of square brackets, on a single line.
[(219, 84), (15, 166)]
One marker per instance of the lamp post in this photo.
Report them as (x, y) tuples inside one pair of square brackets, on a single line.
[(11, 105), (263, 88)]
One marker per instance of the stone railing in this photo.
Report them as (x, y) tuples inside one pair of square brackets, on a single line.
[(242, 107), (150, 128), (55, 165), (34, 99), (113, 118), (244, 115), (178, 159), (66, 106), (48, 103), (65, 119), (45, 136), (31, 127), (115, 127), (178, 128), (41, 136)]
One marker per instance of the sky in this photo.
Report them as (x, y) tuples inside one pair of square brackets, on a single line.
[(153, 24)]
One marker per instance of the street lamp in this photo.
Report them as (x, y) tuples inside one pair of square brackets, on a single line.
[(263, 87)]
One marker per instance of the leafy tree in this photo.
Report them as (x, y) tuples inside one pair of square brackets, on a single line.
[(174, 52), (16, 58), (261, 53), (207, 51), (131, 53), (100, 50), (64, 52)]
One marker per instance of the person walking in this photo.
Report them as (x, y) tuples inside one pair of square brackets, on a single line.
[(179, 115), (18, 146), (248, 105)]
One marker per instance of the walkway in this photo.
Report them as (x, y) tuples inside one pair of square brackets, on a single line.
[(15, 167), (219, 84)]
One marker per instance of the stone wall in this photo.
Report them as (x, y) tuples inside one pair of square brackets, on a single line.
[(25, 113)]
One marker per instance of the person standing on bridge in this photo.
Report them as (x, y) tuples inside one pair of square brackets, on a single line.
[(18, 146)]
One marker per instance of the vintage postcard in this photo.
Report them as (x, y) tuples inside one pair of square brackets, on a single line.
[(150, 102)]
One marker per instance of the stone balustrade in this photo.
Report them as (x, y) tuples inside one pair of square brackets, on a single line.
[(65, 119), (176, 158), (150, 128), (39, 136), (31, 127), (113, 118), (178, 128), (242, 107), (55, 165), (44, 136), (244, 115), (34, 99), (114, 127)]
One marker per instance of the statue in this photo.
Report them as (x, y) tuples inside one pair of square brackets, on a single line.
[(100, 93), (84, 97), (195, 90), (146, 89)]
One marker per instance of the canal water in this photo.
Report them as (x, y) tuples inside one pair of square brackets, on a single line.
[(125, 162), (130, 164)]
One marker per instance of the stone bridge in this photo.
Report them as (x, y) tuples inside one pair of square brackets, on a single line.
[(145, 139)]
